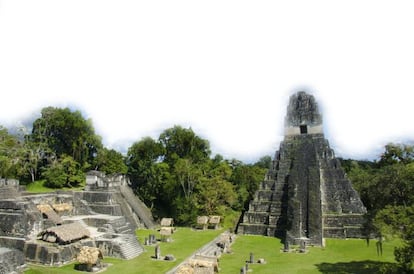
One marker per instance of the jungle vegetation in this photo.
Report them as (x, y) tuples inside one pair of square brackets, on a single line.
[(177, 175)]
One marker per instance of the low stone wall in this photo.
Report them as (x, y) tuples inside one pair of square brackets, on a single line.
[(257, 229), (9, 182), (97, 197), (342, 232), (114, 210), (18, 218), (53, 255), (343, 225), (12, 242)]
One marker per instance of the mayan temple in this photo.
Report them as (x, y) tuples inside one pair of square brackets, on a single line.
[(305, 194)]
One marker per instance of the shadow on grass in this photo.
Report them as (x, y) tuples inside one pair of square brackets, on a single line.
[(360, 267)]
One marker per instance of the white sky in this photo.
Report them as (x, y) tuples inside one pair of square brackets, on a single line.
[(225, 68)]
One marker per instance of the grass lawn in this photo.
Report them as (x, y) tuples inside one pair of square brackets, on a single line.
[(185, 242), (339, 256), (39, 187)]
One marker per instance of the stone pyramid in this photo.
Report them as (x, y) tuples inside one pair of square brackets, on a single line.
[(305, 195)]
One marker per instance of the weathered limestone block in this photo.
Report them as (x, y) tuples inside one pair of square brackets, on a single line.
[(11, 260)]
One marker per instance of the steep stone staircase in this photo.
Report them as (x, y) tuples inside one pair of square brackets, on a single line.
[(129, 246)]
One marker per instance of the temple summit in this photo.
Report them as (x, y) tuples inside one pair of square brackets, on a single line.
[(305, 195)]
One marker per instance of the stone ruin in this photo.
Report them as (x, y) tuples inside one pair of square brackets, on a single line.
[(305, 195), (206, 259), (52, 228), (167, 229), (205, 222)]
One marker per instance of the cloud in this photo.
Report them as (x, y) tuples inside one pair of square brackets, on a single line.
[(225, 68)]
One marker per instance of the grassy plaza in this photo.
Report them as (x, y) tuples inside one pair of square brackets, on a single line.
[(339, 256)]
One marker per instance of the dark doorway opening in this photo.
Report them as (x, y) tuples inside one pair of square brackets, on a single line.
[(304, 129)]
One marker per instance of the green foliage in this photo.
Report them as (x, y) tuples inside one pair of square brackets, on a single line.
[(264, 162), (185, 144), (65, 172), (31, 156), (397, 153), (177, 177), (54, 175), (166, 173), (399, 221), (110, 161), (9, 149), (246, 179), (146, 171), (387, 190), (215, 195), (66, 132)]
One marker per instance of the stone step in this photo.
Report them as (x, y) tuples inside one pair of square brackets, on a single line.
[(123, 229), (9, 192), (130, 247)]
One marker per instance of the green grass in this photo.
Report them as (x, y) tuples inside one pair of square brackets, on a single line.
[(185, 242), (339, 256), (39, 187)]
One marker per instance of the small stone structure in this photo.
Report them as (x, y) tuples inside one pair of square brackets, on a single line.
[(202, 222), (167, 222), (305, 193), (167, 229), (214, 222), (157, 252), (166, 233), (65, 234)]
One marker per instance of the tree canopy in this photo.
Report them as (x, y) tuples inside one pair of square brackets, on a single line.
[(386, 188), (177, 176), (66, 132)]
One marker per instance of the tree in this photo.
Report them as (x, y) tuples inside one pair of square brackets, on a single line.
[(110, 161), (188, 176), (246, 179), (54, 175), (264, 162), (65, 172), (184, 143), (215, 194), (397, 153), (141, 160), (67, 132), (399, 220), (31, 156), (387, 190), (9, 148)]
